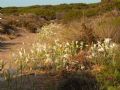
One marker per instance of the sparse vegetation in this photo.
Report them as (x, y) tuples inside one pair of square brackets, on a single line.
[(77, 47), (68, 11)]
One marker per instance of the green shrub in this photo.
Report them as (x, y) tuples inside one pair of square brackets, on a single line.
[(72, 11)]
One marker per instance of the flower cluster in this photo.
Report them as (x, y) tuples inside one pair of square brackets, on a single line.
[(49, 31), (40, 55), (58, 55), (107, 47)]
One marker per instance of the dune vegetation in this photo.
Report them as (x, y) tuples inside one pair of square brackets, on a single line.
[(77, 47)]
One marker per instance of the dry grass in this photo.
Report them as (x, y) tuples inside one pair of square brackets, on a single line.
[(66, 56), (107, 27), (91, 29), (73, 31), (64, 33), (4, 37), (28, 21)]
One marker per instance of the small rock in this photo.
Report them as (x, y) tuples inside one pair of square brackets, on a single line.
[(10, 31), (2, 79)]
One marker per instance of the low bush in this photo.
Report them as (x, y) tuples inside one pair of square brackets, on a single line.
[(107, 27)]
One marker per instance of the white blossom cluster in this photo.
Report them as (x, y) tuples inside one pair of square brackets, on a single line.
[(49, 30), (56, 54), (105, 47)]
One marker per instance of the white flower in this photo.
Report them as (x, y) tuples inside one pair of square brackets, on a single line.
[(66, 56), (82, 67), (44, 47), (20, 53), (67, 43), (81, 43), (99, 43), (60, 45), (77, 46), (57, 40), (31, 51), (86, 45), (107, 40), (92, 48), (47, 55), (93, 54), (66, 50), (13, 55), (95, 46), (101, 50), (56, 61), (76, 42), (24, 51), (38, 49), (89, 56), (54, 47), (113, 45), (48, 61), (26, 59), (107, 47), (64, 61)]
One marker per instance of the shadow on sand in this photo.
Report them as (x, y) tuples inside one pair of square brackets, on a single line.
[(51, 82), (6, 45)]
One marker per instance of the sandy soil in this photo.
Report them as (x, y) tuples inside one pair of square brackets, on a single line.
[(12, 46)]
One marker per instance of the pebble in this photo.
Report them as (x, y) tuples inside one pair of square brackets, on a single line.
[(2, 79)]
